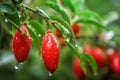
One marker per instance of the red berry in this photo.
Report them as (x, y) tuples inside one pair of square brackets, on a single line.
[(79, 74), (115, 64), (58, 34), (111, 53), (21, 44), (50, 52), (88, 49), (99, 57), (76, 29), (62, 41)]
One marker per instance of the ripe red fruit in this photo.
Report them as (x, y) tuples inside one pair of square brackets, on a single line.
[(79, 74), (21, 45), (115, 63), (50, 52), (111, 53), (58, 34), (76, 29), (99, 57), (88, 49)]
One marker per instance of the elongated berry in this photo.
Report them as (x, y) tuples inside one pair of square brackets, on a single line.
[(50, 52), (21, 44), (79, 74)]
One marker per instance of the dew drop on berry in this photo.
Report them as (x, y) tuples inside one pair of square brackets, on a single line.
[(50, 74), (17, 65)]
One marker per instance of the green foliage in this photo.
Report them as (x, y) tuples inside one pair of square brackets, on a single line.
[(60, 11), (10, 13), (43, 19), (92, 63)]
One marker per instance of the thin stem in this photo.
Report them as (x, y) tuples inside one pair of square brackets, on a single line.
[(34, 11), (30, 9)]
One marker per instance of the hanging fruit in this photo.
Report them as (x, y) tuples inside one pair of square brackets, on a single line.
[(21, 44), (50, 52)]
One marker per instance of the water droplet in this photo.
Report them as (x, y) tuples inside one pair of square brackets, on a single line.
[(17, 65), (50, 74), (6, 20), (39, 35), (67, 40), (76, 45)]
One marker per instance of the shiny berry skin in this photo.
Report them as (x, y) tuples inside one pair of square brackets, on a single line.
[(50, 52), (21, 45), (99, 57), (76, 29), (79, 74), (115, 63)]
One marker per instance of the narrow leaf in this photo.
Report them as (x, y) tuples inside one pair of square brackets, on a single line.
[(35, 39), (90, 14), (10, 13), (64, 23), (90, 21), (78, 4), (63, 30), (83, 63), (19, 1), (37, 26), (69, 4), (91, 62), (43, 13), (90, 17), (60, 11)]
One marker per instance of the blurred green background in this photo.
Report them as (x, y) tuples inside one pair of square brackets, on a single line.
[(34, 69)]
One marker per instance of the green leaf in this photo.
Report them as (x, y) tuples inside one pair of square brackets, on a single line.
[(90, 14), (10, 13), (77, 51), (17, 1), (60, 11), (78, 4), (90, 17), (72, 47), (43, 13), (35, 39), (91, 21), (63, 30), (15, 25), (83, 63), (91, 62), (69, 4), (37, 26), (64, 23)]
